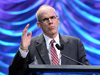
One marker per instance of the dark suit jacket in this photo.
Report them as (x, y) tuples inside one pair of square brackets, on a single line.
[(73, 48)]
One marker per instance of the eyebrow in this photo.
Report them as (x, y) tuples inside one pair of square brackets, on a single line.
[(49, 17)]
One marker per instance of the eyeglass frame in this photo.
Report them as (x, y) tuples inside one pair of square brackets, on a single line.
[(46, 20)]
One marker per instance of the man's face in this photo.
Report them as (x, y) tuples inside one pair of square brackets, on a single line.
[(48, 22)]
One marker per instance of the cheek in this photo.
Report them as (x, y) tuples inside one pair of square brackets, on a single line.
[(45, 28), (57, 25)]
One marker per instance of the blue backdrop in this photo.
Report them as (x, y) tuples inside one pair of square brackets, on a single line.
[(79, 18)]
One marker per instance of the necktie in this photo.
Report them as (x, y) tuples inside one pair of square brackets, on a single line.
[(54, 56)]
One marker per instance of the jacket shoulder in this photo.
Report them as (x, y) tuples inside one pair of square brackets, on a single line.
[(69, 37)]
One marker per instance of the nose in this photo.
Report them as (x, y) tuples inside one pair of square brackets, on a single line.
[(50, 20)]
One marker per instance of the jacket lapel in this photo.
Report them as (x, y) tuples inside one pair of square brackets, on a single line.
[(42, 49), (66, 50)]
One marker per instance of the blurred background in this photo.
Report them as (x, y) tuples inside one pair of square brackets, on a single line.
[(79, 18)]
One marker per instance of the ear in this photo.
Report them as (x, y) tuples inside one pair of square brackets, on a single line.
[(38, 24), (58, 20)]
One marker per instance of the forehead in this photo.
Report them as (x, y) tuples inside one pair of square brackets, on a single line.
[(47, 12)]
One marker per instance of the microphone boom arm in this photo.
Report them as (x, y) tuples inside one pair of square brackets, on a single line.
[(72, 59)]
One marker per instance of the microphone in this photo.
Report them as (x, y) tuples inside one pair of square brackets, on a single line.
[(61, 48)]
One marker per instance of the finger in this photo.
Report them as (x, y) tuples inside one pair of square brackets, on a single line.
[(27, 26), (30, 34), (25, 29)]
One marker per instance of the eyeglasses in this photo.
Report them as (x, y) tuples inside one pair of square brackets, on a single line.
[(46, 20)]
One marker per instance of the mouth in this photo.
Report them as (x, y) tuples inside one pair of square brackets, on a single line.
[(51, 27)]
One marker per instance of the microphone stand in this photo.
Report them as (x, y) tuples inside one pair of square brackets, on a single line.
[(72, 59)]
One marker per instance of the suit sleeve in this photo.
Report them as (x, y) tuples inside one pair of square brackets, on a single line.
[(17, 65), (82, 53)]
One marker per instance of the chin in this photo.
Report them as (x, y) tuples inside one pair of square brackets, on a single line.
[(53, 33)]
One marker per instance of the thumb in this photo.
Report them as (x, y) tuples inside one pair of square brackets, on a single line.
[(30, 34)]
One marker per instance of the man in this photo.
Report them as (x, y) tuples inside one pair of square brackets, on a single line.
[(40, 48)]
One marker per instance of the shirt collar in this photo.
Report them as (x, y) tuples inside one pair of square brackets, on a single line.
[(49, 39)]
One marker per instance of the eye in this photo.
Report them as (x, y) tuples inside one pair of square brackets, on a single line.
[(53, 17), (45, 19)]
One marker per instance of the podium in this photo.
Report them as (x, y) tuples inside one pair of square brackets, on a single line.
[(77, 69)]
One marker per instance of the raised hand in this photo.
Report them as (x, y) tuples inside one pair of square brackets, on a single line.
[(25, 39)]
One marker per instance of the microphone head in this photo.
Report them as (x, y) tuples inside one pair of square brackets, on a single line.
[(60, 47)]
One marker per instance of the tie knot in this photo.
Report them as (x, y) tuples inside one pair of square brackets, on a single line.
[(52, 41)]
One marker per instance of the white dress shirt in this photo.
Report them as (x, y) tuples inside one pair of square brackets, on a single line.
[(57, 41)]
